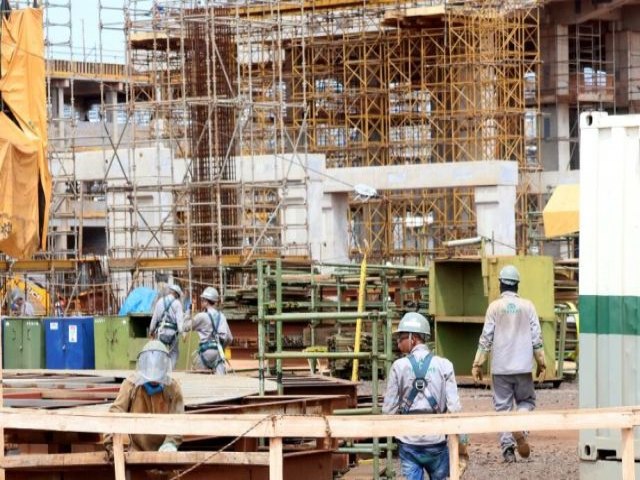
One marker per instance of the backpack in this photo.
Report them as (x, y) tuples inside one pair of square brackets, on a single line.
[(167, 326)]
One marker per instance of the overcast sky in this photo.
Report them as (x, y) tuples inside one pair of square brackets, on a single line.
[(87, 35)]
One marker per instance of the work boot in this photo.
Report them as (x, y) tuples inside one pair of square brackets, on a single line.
[(523, 446), (509, 455)]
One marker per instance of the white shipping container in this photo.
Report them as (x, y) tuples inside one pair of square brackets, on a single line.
[(609, 370)]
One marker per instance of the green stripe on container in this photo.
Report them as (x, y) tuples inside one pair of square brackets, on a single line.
[(609, 314)]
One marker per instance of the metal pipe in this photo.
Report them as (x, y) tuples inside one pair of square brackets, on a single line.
[(364, 449), (362, 293), (261, 330), (297, 316), (279, 326), (306, 355), (352, 411), (375, 408), (370, 267), (463, 241)]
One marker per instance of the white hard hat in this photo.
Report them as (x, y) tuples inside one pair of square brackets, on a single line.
[(175, 288), (211, 294), (413, 322), (509, 275)]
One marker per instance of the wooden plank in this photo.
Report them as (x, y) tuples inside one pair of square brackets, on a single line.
[(60, 460), (257, 425), (32, 266), (55, 460), (276, 471), (118, 457), (628, 456), (62, 394), (209, 458), (454, 462)]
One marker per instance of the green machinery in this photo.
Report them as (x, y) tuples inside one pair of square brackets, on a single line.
[(330, 303), (460, 291), (23, 343), (119, 339)]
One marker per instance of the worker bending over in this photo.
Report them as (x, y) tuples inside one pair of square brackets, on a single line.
[(149, 390), (512, 333), (213, 332), (422, 383)]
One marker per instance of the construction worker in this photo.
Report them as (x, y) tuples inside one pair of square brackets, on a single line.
[(512, 333), (422, 383), (21, 307), (149, 390), (213, 331), (167, 320)]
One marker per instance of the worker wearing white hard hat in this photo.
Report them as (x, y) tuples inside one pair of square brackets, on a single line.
[(512, 334), (213, 332), (149, 390), (422, 383), (167, 321)]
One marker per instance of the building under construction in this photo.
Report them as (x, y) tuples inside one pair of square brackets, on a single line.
[(243, 130), (308, 130), (236, 131)]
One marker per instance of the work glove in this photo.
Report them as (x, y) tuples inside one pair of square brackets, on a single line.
[(168, 447), (541, 369), (478, 361), (463, 457), (108, 448)]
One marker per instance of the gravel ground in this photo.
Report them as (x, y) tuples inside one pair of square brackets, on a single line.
[(553, 454)]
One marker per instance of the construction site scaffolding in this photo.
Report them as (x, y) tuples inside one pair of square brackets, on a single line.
[(205, 132)]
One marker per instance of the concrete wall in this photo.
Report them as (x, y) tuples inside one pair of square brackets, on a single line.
[(151, 226)]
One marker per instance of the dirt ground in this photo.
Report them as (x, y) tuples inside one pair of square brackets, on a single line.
[(553, 454)]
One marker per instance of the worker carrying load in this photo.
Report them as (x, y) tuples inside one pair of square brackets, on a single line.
[(512, 333), (167, 320), (213, 332), (149, 390), (422, 383)]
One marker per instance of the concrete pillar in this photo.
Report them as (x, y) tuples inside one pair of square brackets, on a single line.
[(335, 220), (315, 217), (495, 213), (563, 126), (562, 60)]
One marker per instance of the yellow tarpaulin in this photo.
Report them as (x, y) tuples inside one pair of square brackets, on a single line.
[(561, 215), (25, 181)]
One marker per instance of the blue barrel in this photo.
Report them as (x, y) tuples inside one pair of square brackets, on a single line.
[(69, 343)]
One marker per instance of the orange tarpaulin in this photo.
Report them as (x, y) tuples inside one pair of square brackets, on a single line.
[(25, 181)]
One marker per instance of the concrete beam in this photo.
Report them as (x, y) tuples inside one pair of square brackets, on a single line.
[(430, 175)]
